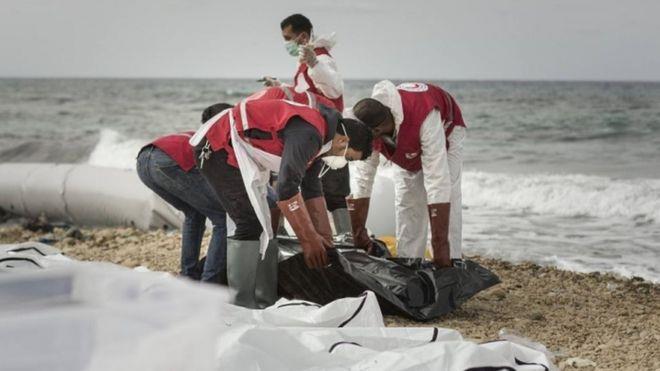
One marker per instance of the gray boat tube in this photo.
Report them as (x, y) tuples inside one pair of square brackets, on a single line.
[(84, 195)]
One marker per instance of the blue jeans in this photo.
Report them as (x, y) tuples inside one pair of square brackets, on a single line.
[(190, 193)]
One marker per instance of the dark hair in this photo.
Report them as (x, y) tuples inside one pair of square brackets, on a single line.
[(298, 22), (213, 110), (359, 136), (371, 112)]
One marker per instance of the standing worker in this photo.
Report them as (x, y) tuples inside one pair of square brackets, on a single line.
[(419, 127), (317, 73)]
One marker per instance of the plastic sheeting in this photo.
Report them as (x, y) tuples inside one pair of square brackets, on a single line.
[(29, 256), (97, 316), (83, 195), (407, 286)]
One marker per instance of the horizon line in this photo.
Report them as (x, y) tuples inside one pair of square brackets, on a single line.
[(345, 79)]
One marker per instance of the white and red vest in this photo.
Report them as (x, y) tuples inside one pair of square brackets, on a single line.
[(418, 100), (338, 103), (177, 147), (284, 92), (270, 116)]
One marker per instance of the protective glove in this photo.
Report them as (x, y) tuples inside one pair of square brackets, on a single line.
[(318, 213), (313, 244), (307, 55), (358, 208), (439, 218)]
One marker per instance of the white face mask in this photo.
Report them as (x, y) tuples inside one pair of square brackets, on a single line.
[(334, 162)]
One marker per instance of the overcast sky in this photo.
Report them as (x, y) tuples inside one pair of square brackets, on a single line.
[(473, 39)]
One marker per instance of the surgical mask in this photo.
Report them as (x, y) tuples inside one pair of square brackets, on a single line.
[(292, 48), (334, 162)]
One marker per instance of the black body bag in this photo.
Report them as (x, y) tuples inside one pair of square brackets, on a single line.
[(412, 287)]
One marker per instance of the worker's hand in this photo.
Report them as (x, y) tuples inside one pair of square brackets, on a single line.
[(271, 81), (362, 240), (314, 251), (307, 55)]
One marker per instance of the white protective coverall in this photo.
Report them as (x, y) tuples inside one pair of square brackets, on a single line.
[(439, 181), (325, 75)]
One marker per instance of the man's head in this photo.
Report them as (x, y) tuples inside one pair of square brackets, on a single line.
[(375, 115), (296, 28), (213, 110), (352, 140)]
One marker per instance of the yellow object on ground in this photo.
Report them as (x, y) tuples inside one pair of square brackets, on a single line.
[(390, 242)]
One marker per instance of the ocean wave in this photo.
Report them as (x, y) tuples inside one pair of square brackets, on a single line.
[(14, 148), (572, 195), (237, 93), (564, 195), (115, 150)]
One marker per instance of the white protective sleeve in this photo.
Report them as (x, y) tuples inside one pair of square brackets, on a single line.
[(435, 167), (364, 174), (326, 77)]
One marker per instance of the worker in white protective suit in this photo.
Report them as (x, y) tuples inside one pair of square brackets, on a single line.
[(419, 128), (317, 73)]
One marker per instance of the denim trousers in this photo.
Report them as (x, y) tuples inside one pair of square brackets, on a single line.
[(191, 194)]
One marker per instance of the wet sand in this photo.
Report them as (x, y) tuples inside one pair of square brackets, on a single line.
[(584, 319)]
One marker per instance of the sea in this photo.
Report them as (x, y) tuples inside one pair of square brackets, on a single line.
[(559, 173)]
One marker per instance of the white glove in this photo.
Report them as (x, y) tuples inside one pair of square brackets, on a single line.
[(307, 55)]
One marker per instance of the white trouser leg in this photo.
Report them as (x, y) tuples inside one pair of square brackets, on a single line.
[(412, 218), (455, 161)]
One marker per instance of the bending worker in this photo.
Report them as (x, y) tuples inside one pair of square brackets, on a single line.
[(236, 151), (317, 73), (167, 167), (419, 128), (311, 100)]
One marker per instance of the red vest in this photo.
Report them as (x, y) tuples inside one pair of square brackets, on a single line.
[(284, 92), (338, 103), (176, 146), (269, 116), (418, 100)]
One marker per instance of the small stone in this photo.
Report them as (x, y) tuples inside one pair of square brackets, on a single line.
[(577, 362), (499, 294), (537, 316), (69, 241), (74, 233)]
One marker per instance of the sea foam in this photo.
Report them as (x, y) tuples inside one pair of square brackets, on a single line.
[(565, 195), (115, 150)]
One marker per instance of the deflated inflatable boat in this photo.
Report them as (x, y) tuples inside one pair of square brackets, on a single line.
[(83, 195)]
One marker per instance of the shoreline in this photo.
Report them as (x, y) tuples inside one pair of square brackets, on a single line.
[(611, 321)]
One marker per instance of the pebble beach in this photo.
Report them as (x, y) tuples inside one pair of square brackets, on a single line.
[(588, 321)]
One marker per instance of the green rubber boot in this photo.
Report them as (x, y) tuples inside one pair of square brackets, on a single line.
[(266, 287), (242, 260)]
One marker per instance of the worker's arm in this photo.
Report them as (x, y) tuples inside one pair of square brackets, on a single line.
[(435, 167), (326, 77), (302, 143), (364, 175)]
